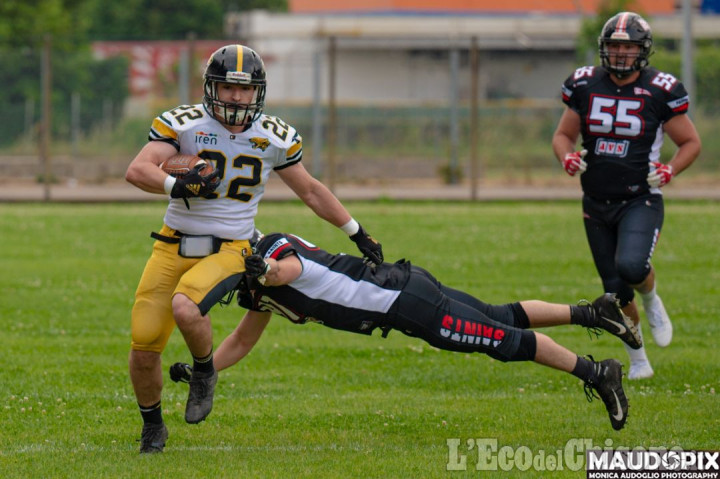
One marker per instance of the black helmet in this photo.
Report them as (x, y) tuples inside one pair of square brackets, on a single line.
[(626, 27), (240, 65), (256, 237)]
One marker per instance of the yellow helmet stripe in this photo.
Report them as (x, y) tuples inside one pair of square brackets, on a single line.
[(240, 55)]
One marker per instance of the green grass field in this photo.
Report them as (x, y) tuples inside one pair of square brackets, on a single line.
[(312, 402)]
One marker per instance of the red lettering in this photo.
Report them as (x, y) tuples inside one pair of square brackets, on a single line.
[(447, 321), (499, 335), (470, 328), (487, 331)]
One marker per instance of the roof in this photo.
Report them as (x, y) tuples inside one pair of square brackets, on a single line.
[(651, 7)]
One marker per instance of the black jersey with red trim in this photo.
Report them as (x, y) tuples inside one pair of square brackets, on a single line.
[(337, 290), (622, 126)]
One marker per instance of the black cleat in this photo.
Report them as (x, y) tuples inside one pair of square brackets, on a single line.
[(200, 397), (181, 372), (607, 315), (608, 384), (153, 438)]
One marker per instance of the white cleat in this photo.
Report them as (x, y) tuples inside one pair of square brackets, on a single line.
[(660, 324), (640, 370)]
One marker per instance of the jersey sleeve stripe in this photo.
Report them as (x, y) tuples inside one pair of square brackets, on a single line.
[(165, 120), (295, 158), (680, 105), (293, 150), (566, 93), (161, 130), (277, 253), (282, 167)]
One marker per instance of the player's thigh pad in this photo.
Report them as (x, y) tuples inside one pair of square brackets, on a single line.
[(152, 316), (215, 275)]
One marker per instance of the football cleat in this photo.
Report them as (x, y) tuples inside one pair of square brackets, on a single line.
[(153, 438), (181, 372), (200, 397), (660, 324), (607, 315), (608, 385)]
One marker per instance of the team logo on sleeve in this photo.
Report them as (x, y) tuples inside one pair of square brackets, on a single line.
[(260, 143)]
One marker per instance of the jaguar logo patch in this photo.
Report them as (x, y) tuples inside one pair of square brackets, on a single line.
[(261, 143)]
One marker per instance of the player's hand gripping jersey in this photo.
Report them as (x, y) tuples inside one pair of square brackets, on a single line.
[(243, 159), (622, 126)]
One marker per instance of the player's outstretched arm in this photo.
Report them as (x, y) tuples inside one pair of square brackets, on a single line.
[(241, 341), (326, 205), (314, 194), (271, 272)]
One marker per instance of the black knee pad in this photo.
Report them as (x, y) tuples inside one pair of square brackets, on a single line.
[(633, 271), (520, 316)]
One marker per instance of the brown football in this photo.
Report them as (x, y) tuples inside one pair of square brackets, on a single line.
[(180, 165)]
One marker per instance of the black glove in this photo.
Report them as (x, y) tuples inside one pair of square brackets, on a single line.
[(193, 184), (255, 266), (180, 372), (368, 246)]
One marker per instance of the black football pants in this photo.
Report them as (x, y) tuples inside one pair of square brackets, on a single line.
[(622, 236), (455, 321)]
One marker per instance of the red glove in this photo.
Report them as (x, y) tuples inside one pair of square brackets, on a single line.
[(660, 176), (573, 162)]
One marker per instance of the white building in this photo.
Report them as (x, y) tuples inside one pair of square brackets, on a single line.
[(406, 59)]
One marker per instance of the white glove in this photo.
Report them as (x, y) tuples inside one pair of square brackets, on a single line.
[(573, 162)]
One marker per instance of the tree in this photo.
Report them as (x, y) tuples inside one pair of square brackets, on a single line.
[(25, 23), (167, 19)]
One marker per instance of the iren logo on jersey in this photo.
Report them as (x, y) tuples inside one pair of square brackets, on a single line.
[(205, 138), (261, 143), (463, 331), (617, 148)]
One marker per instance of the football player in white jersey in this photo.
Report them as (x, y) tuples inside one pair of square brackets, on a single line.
[(198, 255)]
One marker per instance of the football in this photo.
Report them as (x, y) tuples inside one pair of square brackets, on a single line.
[(180, 165)]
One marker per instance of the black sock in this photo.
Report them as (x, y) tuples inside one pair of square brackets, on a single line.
[(582, 315), (151, 414), (585, 369), (204, 365)]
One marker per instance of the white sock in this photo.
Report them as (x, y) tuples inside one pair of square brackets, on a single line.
[(649, 296), (637, 355)]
